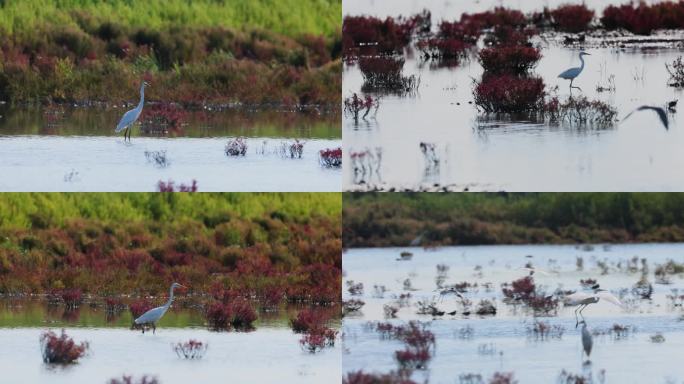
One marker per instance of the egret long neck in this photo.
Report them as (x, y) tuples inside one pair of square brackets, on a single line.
[(142, 101), (581, 66), (168, 303)]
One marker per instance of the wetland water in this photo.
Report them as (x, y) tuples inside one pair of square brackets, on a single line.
[(76, 149), (519, 154), (487, 344), (269, 353)]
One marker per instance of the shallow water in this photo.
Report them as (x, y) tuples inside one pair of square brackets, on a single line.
[(506, 332), (637, 154), (269, 353), (78, 151)]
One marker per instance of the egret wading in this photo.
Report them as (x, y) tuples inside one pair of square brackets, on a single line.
[(660, 111), (572, 73), (151, 317), (582, 300), (129, 118)]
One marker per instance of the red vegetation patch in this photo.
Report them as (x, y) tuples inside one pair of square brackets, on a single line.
[(360, 377), (572, 18), (509, 94), (382, 72), (354, 104), (516, 59), (371, 35), (171, 187), (162, 116), (238, 314), (191, 349), (61, 349), (331, 157), (72, 297), (308, 319), (642, 19)]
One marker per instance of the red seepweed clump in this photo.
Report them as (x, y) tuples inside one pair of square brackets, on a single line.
[(72, 297), (191, 349), (308, 319), (370, 35), (572, 18), (170, 186), (353, 105), (161, 117), (509, 94), (61, 349), (642, 18), (360, 377), (511, 59), (331, 157), (238, 314), (236, 147)]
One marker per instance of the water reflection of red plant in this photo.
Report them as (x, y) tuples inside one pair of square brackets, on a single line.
[(61, 349), (331, 157), (130, 380), (354, 104)]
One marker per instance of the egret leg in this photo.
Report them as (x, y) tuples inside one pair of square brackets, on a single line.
[(143, 325), (125, 132), (129, 133), (154, 329), (580, 311), (576, 318)]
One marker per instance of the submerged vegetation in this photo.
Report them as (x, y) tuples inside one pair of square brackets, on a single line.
[(238, 53), (271, 247), (372, 220)]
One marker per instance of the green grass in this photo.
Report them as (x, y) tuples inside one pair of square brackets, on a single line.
[(288, 17), (518, 218), (24, 210)]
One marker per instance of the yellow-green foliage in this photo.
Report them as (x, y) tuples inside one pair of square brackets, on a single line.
[(44, 210), (289, 17)]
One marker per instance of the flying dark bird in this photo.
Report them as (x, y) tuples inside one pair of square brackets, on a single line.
[(660, 111)]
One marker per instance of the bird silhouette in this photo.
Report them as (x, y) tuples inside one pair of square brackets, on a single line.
[(660, 111)]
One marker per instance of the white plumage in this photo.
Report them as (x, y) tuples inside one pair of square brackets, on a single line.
[(153, 315), (130, 117)]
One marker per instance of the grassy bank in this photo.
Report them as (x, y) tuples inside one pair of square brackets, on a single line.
[(275, 246), (377, 220), (255, 53)]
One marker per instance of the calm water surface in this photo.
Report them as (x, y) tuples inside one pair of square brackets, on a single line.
[(75, 149)]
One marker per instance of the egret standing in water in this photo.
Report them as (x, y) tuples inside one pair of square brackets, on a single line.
[(572, 73), (130, 117), (153, 315), (582, 300)]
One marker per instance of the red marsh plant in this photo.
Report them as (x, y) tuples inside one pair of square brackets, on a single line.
[(72, 297), (171, 187), (238, 314), (130, 380), (236, 147), (308, 319), (512, 59), (354, 104), (162, 116), (191, 349), (419, 346), (382, 72), (61, 349), (315, 339), (372, 35), (509, 94), (360, 377), (572, 18), (331, 157), (676, 72), (642, 18), (114, 304)]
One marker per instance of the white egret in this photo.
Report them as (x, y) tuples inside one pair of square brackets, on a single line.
[(587, 340), (130, 117), (660, 111), (583, 299), (153, 315), (572, 73)]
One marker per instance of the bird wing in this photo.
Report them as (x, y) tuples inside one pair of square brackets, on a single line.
[(607, 296), (661, 114), (150, 316), (577, 297), (569, 73), (127, 119)]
